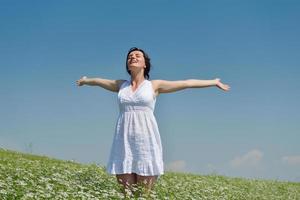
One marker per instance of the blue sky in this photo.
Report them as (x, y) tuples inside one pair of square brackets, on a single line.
[(251, 131)]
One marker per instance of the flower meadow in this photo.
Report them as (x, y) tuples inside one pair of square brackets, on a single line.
[(26, 176)]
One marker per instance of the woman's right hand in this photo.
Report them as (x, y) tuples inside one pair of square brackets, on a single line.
[(80, 82), (222, 85)]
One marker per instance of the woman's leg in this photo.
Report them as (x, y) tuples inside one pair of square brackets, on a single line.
[(128, 181), (146, 181)]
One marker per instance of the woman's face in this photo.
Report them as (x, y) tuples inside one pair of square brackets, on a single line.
[(136, 60)]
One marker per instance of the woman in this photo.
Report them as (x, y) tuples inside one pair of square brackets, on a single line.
[(136, 152)]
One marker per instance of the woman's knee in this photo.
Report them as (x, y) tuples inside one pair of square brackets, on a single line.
[(126, 179), (146, 180)]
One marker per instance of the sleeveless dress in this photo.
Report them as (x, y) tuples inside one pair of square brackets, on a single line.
[(136, 146)]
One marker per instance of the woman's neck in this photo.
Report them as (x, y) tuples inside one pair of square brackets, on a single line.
[(137, 78)]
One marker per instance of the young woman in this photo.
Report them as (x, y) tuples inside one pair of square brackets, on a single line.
[(136, 153)]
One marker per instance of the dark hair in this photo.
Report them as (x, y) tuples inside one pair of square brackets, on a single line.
[(147, 61)]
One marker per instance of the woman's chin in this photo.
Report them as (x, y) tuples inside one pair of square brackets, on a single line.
[(133, 67)]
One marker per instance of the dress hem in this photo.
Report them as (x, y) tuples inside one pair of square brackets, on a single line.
[(140, 167)]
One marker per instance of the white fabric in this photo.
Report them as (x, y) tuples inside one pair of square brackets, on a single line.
[(136, 146)]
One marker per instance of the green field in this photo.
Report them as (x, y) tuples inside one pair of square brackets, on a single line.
[(26, 176)]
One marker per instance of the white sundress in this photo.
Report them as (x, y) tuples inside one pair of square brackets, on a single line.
[(136, 146)]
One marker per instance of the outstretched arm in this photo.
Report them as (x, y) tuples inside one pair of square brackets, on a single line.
[(111, 85), (163, 86)]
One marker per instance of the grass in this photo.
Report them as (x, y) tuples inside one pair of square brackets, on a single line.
[(26, 176)]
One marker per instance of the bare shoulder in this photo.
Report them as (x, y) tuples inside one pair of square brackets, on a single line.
[(119, 82), (156, 83), (155, 86)]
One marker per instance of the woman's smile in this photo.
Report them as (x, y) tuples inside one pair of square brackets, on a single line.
[(133, 61)]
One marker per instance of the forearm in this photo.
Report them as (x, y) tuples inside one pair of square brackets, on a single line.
[(92, 81), (112, 85), (195, 83)]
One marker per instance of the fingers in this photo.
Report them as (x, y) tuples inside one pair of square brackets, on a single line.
[(79, 82), (224, 86), (227, 87)]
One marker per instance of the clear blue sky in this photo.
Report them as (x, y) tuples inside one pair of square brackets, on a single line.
[(252, 131)]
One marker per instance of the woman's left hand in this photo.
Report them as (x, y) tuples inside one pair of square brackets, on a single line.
[(222, 86)]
